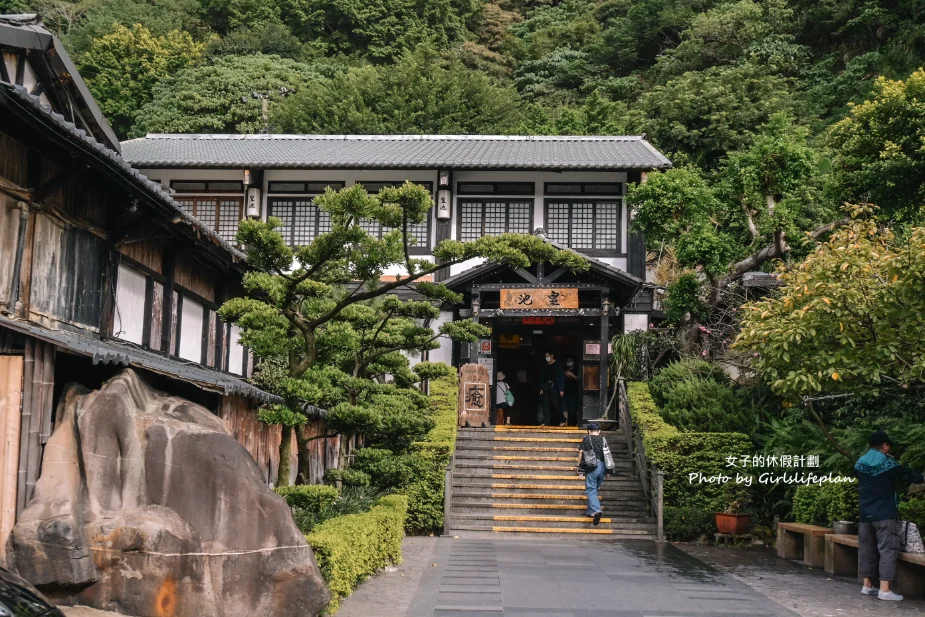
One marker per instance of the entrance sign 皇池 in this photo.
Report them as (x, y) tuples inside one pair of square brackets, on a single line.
[(539, 298)]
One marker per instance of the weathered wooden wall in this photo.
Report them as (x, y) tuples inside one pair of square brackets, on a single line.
[(67, 273), (38, 391), (322, 453), (9, 231), (149, 253), (196, 278), (11, 373), (261, 440)]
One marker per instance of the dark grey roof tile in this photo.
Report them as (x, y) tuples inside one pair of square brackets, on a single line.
[(394, 151)]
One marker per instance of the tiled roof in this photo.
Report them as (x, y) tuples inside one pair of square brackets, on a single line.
[(393, 152), (20, 97), (117, 352)]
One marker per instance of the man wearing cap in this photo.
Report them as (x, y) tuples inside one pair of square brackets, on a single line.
[(878, 532)]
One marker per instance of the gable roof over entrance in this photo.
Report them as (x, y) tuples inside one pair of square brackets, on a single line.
[(394, 152)]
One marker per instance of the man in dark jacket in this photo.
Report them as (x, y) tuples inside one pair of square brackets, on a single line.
[(552, 389), (878, 533)]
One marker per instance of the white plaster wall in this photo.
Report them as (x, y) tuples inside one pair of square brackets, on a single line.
[(191, 330), (353, 176), (445, 353), (235, 351), (129, 317)]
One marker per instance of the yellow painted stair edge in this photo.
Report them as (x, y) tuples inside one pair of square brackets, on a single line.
[(552, 530)]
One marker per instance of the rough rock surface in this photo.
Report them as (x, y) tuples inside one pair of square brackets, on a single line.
[(146, 506)]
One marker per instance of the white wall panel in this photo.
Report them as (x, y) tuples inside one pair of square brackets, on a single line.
[(191, 331), (129, 317)]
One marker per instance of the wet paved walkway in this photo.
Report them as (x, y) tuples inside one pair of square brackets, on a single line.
[(536, 578)]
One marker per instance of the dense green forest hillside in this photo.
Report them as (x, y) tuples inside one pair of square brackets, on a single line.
[(754, 100)]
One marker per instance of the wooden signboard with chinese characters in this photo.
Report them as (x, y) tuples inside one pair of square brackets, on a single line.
[(539, 298), (474, 395)]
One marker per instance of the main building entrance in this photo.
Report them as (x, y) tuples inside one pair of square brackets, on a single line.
[(532, 312)]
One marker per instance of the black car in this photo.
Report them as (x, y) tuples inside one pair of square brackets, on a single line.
[(20, 599)]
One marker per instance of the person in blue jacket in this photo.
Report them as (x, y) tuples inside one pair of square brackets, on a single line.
[(879, 528)]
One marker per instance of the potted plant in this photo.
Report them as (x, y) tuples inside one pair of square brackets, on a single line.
[(733, 520)]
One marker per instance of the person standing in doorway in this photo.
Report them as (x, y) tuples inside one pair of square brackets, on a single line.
[(572, 400), (552, 389), (594, 473), (879, 528), (504, 400)]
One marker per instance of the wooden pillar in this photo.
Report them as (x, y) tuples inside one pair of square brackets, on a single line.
[(605, 334), (168, 308)]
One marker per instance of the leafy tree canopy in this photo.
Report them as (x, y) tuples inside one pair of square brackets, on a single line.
[(849, 317), (122, 68), (217, 98), (422, 93), (878, 152)]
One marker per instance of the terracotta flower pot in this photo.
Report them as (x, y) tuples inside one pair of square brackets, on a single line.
[(732, 523)]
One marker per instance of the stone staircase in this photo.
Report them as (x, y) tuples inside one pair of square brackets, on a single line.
[(522, 481)]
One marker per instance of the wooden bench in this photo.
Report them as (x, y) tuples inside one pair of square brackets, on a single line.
[(841, 559), (801, 541)]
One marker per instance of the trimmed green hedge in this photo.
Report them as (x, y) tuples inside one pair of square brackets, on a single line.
[(816, 504), (679, 454), (425, 493), (351, 548), (347, 477), (312, 497)]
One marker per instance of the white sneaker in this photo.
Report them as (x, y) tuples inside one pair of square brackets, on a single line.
[(869, 591), (889, 595)]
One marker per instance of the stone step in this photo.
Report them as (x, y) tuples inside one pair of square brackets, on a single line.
[(475, 467), (543, 490), (634, 515), (477, 494), (559, 522), (570, 481), (463, 439), (549, 533)]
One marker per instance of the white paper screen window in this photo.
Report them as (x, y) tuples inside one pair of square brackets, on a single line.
[(235, 351), (191, 331), (129, 318)]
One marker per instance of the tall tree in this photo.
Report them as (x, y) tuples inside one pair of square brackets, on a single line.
[(850, 318), (122, 68), (422, 93), (878, 152), (293, 306), (218, 97)]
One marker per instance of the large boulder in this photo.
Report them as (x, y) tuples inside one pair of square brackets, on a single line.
[(147, 506)]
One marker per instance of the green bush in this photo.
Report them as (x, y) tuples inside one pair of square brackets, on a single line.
[(387, 470), (347, 477), (351, 548), (680, 454), (425, 494), (684, 523), (816, 504), (312, 497), (694, 395), (913, 510)]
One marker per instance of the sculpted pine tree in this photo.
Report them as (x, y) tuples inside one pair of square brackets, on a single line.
[(323, 307)]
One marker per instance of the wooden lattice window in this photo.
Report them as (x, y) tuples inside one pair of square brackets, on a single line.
[(493, 217), (589, 226), (219, 214)]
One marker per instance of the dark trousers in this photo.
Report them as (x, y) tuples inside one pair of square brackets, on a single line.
[(572, 405), (552, 405), (878, 548)]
